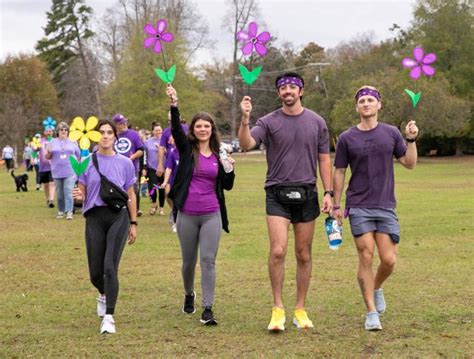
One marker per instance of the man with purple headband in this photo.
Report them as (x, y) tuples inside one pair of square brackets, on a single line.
[(296, 140), (368, 149)]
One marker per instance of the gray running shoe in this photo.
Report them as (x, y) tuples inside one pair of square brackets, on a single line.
[(372, 321), (379, 301)]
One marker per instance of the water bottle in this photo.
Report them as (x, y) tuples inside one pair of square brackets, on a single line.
[(223, 156), (333, 232)]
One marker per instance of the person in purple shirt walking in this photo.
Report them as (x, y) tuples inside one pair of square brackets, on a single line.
[(45, 175), (198, 198), (129, 145), (151, 147), (171, 166), (58, 152), (296, 140), (368, 148), (107, 230)]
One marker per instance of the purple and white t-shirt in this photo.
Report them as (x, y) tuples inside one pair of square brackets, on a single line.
[(129, 142), (172, 162), (151, 151), (117, 168), (44, 163), (370, 157), (293, 144), (202, 197), (60, 151)]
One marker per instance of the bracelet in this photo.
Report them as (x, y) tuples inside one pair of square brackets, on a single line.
[(245, 124), (410, 140), (336, 208), (133, 223), (331, 193)]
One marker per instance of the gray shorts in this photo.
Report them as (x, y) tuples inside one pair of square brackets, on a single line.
[(365, 220)]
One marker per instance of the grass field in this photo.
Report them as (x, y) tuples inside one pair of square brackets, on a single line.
[(48, 304)]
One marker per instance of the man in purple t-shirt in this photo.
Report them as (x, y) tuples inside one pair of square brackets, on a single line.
[(129, 145), (296, 140), (368, 149)]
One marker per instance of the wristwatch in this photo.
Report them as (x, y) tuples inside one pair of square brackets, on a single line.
[(134, 223), (331, 193)]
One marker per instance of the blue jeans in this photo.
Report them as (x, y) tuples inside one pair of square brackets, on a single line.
[(64, 188)]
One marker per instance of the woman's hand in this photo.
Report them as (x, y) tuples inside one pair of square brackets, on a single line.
[(132, 234), (172, 94), (77, 194)]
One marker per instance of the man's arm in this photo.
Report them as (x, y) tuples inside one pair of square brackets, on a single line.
[(325, 173), (247, 142), (137, 154), (411, 156), (338, 187)]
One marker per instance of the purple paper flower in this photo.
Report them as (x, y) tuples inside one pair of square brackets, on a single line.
[(420, 63), (155, 36), (253, 41)]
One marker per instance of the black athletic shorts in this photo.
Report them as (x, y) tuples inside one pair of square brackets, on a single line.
[(296, 213), (45, 177)]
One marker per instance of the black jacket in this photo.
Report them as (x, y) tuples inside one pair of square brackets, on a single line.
[(184, 174)]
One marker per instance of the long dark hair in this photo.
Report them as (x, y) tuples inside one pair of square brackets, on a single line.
[(214, 140)]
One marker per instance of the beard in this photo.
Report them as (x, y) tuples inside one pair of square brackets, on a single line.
[(289, 100)]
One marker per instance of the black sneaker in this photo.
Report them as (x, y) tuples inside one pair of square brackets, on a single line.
[(50, 204), (207, 317), (188, 306)]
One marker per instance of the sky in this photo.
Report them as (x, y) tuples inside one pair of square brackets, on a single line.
[(326, 23)]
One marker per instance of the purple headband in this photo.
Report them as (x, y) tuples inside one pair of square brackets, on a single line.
[(290, 80), (367, 92)]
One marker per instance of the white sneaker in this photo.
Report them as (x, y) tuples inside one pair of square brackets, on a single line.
[(107, 325), (173, 228), (101, 306), (69, 215), (60, 215)]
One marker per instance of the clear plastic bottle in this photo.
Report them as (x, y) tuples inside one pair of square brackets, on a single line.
[(333, 232), (224, 158)]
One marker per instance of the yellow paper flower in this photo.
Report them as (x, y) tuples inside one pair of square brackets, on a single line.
[(36, 143), (84, 133)]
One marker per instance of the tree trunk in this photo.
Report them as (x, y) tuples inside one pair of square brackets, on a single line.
[(459, 147)]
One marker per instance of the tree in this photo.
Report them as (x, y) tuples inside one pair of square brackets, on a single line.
[(135, 89), (438, 113), (27, 96), (238, 15), (65, 39)]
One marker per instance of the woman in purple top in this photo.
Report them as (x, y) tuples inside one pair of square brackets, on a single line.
[(154, 182), (198, 197), (58, 152), (107, 230)]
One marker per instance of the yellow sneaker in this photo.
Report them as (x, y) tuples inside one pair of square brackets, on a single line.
[(301, 320), (278, 320)]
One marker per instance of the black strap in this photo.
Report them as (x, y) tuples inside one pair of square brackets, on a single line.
[(96, 163)]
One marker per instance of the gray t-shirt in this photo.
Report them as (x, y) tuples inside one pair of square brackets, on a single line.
[(370, 157), (293, 144)]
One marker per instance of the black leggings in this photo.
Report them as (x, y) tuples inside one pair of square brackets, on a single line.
[(153, 180), (106, 235)]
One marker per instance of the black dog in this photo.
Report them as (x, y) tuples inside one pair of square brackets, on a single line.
[(21, 182)]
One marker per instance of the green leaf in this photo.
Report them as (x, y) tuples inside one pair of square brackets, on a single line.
[(415, 97), (83, 165), (250, 76), (79, 167), (166, 77), (171, 73), (162, 75)]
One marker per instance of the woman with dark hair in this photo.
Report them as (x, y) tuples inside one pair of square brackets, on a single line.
[(154, 182), (198, 198), (107, 230)]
